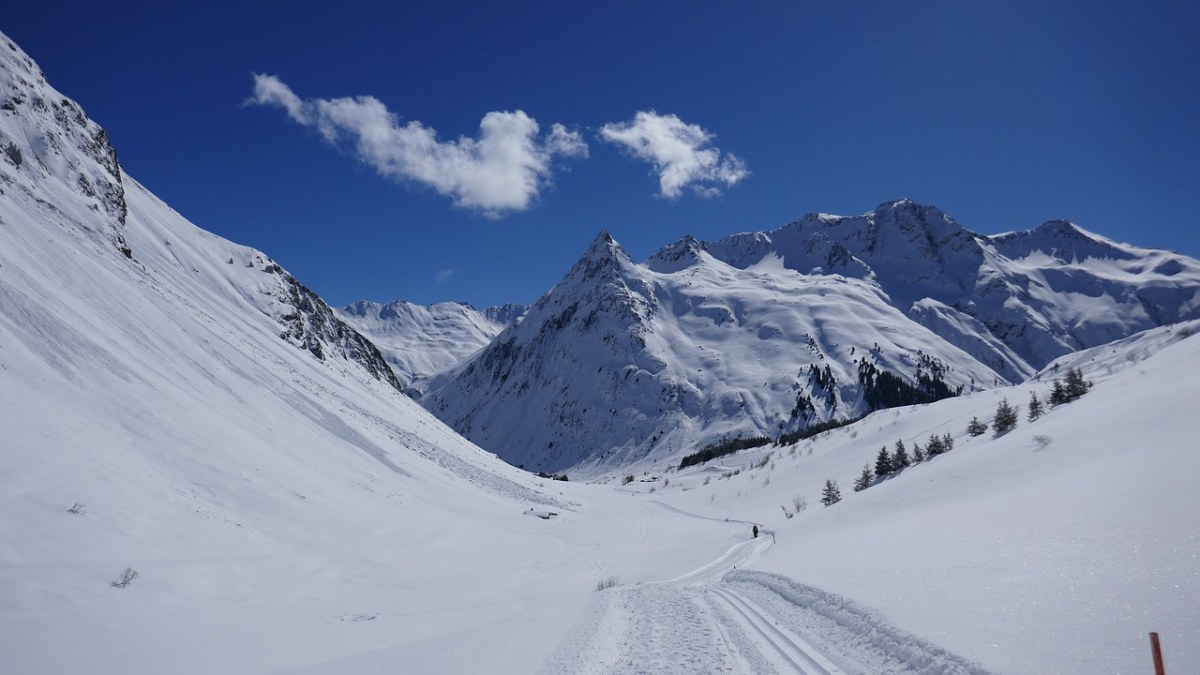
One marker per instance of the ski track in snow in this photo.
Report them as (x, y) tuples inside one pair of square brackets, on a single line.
[(721, 618)]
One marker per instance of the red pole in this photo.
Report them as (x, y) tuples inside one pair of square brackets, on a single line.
[(1156, 650)]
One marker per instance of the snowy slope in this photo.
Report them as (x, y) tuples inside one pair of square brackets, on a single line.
[(1054, 548), (420, 341), (226, 436), (765, 333)]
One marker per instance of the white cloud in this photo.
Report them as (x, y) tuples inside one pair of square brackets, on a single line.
[(679, 151), (500, 171), (442, 276)]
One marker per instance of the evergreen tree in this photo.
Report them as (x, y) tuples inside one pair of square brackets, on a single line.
[(900, 457), (1035, 406), (948, 442), (883, 463), (1005, 419), (865, 479), (1058, 395), (935, 446), (831, 494), (918, 454), (976, 427), (1076, 385)]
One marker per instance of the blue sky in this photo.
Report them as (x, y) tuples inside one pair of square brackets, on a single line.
[(1004, 114)]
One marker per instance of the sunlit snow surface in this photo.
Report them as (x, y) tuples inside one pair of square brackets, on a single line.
[(293, 515)]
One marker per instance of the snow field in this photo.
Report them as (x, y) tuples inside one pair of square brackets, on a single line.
[(1054, 548)]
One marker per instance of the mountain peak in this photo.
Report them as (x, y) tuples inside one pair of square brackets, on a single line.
[(604, 252), (903, 202), (1063, 229), (1061, 239), (905, 210), (603, 240), (677, 256)]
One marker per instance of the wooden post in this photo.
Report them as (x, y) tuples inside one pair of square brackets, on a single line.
[(1156, 650)]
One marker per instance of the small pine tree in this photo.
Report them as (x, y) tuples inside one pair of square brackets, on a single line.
[(1035, 406), (935, 446), (831, 494), (948, 442), (976, 427), (865, 479), (900, 457), (1058, 395), (1005, 419), (883, 463), (918, 454)]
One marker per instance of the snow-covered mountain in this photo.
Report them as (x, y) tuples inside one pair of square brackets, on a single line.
[(761, 334), (218, 428), (420, 341)]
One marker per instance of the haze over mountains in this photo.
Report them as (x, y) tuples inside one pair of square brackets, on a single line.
[(181, 407)]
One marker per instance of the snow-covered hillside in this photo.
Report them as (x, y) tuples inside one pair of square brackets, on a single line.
[(765, 333), (179, 406), (1053, 548), (421, 341)]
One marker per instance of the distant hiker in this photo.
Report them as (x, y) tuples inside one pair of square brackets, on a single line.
[(756, 532)]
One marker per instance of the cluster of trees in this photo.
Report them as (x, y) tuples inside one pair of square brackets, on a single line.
[(890, 463), (1005, 419), (813, 429), (1007, 415), (884, 389), (1074, 387), (721, 448)]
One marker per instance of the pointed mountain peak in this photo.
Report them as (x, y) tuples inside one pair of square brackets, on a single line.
[(604, 247), (680, 255), (603, 240)]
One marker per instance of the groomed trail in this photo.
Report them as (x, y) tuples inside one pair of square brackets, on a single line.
[(724, 618)]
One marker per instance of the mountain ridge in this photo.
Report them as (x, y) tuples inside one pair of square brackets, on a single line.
[(948, 305)]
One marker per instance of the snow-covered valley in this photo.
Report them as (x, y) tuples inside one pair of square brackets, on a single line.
[(178, 406)]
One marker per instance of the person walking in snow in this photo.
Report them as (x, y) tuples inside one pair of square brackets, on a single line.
[(755, 530)]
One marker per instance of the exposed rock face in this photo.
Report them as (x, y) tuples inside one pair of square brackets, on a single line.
[(47, 138)]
